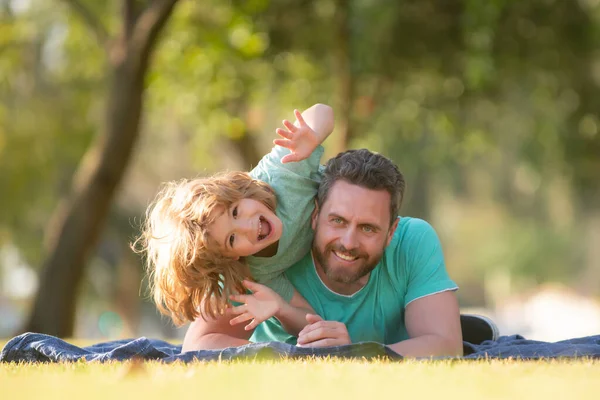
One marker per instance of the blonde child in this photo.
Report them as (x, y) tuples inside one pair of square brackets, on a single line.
[(210, 240)]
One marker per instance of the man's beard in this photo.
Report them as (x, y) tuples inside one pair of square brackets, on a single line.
[(345, 276)]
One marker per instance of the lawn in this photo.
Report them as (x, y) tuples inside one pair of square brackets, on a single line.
[(330, 379)]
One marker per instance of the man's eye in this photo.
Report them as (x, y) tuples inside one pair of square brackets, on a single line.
[(231, 240), (234, 212), (367, 229), (337, 220)]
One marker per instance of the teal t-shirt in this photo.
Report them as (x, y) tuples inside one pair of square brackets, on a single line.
[(412, 266), (295, 185)]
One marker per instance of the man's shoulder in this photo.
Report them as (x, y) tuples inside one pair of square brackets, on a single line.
[(411, 231), (413, 245), (412, 239)]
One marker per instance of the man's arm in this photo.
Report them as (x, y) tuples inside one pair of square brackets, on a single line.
[(214, 333), (433, 324), (293, 315), (431, 317)]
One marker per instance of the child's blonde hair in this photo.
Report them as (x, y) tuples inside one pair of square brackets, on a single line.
[(188, 275)]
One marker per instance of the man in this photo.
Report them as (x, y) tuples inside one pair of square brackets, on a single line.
[(370, 276)]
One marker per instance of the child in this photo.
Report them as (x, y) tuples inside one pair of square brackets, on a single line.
[(206, 237)]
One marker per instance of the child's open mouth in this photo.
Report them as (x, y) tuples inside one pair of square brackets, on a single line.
[(264, 228)]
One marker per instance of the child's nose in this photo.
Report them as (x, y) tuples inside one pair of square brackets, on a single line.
[(245, 227)]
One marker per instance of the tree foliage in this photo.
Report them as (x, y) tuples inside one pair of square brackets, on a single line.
[(490, 109)]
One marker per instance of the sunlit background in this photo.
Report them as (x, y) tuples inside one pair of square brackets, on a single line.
[(490, 108)]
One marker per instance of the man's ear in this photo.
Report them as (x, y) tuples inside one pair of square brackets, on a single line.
[(392, 231), (314, 216)]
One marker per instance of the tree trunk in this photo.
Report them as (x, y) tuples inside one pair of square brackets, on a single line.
[(79, 219), (245, 146), (343, 71), (420, 199), (590, 277), (247, 149)]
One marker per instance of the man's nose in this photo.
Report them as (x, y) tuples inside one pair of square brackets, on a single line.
[(349, 239)]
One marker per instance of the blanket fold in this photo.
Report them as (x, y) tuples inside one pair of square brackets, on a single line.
[(36, 347)]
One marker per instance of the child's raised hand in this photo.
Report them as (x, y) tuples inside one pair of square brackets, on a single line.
[(259, 306), (300, 140)]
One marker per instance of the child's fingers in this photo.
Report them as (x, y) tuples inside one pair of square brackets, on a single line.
[(252, 325), (288, 144), (239, 309), (240, 298), (291, 127), (254, 286), (241, 318), (293, 157), (284, 133), (299, 117)]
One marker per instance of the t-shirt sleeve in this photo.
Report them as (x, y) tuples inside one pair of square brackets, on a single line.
[(271, 167), (295, 185), (282, 286), (425, 267)]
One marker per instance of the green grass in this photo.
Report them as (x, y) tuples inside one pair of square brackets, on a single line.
[(330, 379)]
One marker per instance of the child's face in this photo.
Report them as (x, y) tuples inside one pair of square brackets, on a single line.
[(245, 228)]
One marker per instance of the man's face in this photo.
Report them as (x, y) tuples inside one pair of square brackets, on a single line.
[(352, 229)]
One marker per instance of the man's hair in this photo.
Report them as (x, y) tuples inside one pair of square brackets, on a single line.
[(368, 170), (188, 274)]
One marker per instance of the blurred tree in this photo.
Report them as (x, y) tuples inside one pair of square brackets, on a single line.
[(79, 219), (489, 108), (39, 140)]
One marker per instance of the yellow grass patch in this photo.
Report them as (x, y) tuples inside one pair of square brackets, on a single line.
[(308, 379)]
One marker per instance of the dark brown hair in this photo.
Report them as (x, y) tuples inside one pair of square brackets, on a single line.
[(366, 169)]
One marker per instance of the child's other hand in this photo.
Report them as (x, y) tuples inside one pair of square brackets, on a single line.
[(300, 140), (259, 306)]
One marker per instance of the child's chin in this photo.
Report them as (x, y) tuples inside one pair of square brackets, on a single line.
[(274, 238), (276, 222)]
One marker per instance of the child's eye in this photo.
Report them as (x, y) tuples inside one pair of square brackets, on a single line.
[(231, 240), (234, 212)]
